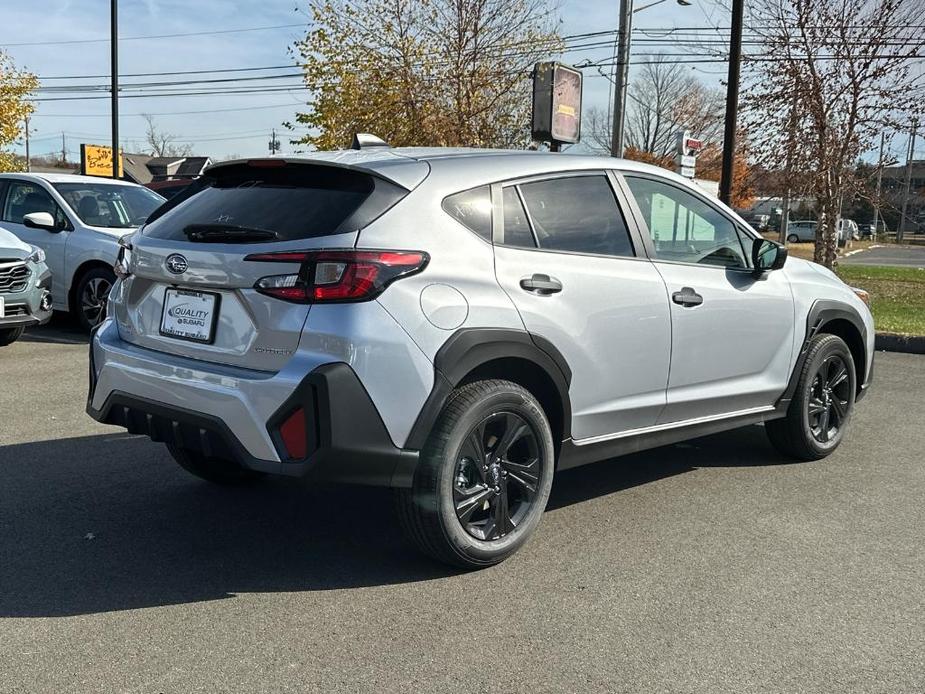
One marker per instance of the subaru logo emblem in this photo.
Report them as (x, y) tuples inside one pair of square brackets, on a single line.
[(176, 264)]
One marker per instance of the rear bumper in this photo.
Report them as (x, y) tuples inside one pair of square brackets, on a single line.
[(232, 414)]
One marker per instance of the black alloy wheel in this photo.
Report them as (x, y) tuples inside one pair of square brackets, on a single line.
[(497, 476), (820, 410), (829, 398), (483, 477)]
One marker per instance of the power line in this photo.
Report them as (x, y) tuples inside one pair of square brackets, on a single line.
[(294, 104), (220, 92), (167, 74), (100, 87), (155, 36)]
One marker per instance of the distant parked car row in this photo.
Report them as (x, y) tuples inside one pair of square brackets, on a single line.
[(60, 241)]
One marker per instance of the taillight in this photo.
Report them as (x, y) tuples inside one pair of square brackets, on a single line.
[(122, 267), (331, 276)]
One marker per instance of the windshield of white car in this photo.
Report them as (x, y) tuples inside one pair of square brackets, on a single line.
[(108, 204)]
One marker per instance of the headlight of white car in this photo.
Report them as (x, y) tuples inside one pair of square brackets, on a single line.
[(38, 255)]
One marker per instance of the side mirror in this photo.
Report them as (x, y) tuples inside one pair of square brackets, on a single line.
[(40, 220), (767, 255)]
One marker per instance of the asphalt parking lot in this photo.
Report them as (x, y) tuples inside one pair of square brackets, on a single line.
[(894, 256), (713, 566)]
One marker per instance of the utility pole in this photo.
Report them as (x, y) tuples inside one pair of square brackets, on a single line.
[(274, 143), (879, 185), (908, 184), (114, 70), (732, 101), (622, 70), (28, 156), (63, 149)]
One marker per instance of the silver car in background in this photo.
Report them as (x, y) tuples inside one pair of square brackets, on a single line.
[(25, 287), (77, 221), (460, 325)]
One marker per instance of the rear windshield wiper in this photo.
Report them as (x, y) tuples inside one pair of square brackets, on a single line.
[(227, 233)]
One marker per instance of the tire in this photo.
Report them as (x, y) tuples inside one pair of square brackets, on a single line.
[(91, 296), (815, 423), (793, 238), (10, 335), (215, 470), (455, 510)]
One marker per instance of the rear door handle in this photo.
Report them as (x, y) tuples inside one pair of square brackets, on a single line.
[(687, 297), (544, 285)]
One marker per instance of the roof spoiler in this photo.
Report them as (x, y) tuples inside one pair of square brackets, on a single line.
[(367, 141)]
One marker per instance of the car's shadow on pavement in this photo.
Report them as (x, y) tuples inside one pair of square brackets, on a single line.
[(62, 329), (109, 522)]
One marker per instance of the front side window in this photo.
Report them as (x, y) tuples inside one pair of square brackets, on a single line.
[(685, 228), (109, 205), (574, 214), (25, 198)]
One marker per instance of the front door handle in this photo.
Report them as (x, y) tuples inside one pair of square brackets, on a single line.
[(687, 297), (544, 285)]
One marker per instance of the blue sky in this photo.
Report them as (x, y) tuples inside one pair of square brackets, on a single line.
[(219, 125)]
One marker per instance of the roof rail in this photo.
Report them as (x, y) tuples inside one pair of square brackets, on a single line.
[(367, 141)]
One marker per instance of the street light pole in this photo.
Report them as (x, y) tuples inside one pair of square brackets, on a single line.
[(873, 233), (732, 101), (624, 33), (622, 68), (28, 155), (114, 68)]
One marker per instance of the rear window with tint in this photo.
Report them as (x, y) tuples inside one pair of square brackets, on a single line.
[(283, 203)]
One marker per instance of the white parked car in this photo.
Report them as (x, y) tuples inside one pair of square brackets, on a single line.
[(848, 230), (801, 231), (77, 221), (804, 231), (25, 298)]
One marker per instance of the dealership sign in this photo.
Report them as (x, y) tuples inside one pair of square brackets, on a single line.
[(686, 150), (556, 103), (96, 160)]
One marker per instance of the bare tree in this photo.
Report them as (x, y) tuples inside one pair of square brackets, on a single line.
[(663, 98), (829, 78), (596, 129), (164, 144)]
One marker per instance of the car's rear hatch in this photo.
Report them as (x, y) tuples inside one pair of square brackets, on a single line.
[(190, 289)]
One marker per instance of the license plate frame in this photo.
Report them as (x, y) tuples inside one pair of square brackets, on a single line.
[(215, 307)]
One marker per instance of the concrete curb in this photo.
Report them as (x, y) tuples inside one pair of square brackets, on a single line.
[(893, 342)]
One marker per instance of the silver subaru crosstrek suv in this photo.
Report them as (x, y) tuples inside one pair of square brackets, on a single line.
[(460, 325)]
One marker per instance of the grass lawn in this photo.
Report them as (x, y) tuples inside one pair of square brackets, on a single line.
[(897, 295)]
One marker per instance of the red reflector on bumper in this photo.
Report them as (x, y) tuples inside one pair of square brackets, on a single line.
[(294, 435)]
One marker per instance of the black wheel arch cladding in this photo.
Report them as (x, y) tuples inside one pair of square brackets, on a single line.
[(836, 318), (468, 349)]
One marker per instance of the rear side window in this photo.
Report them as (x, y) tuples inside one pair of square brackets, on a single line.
[(472, 208), (516, 227), (578, 215), (244, 203)]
